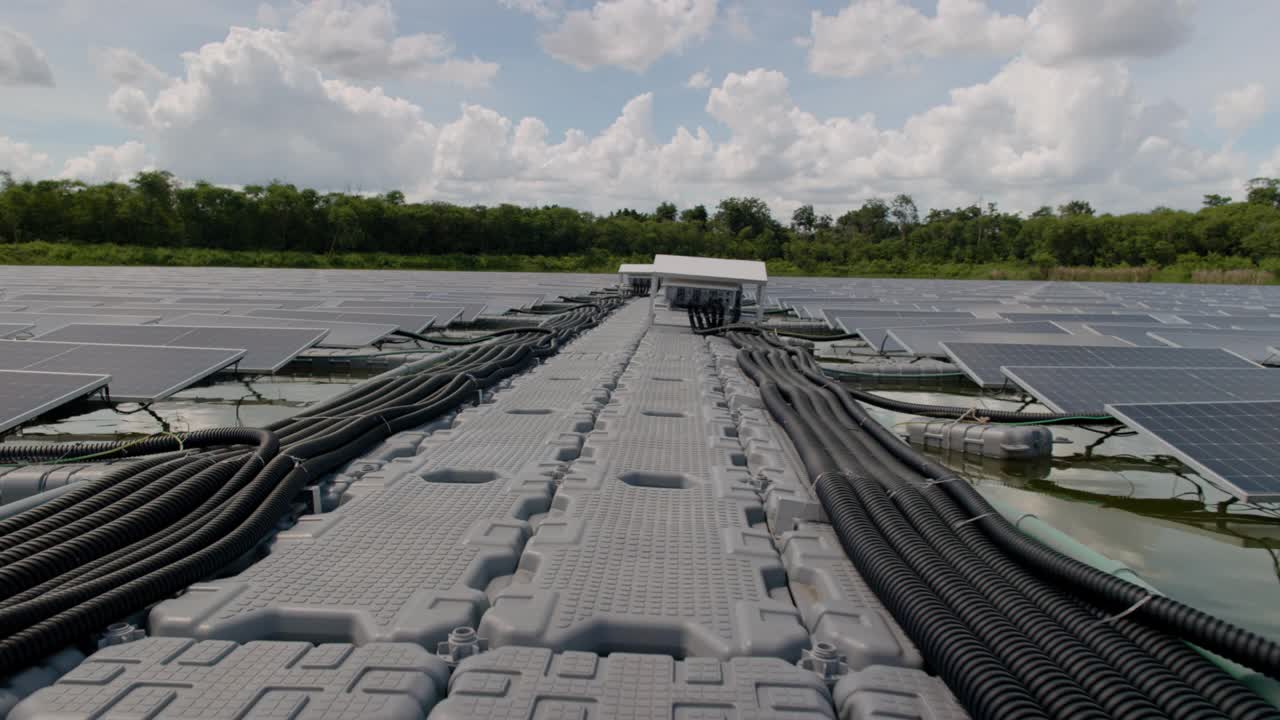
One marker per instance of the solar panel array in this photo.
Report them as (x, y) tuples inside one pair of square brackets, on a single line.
[(1252, 344), (930, 341), (270, 314), (338, 334), (27, 394), (1234, 442), (982, 362), (141, 373), (265, 349), (1087, 390)]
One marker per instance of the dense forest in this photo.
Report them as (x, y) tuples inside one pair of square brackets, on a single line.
[(884, 236)]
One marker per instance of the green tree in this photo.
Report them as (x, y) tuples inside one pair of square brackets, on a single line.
[(666, 212), (1075, 208), (1214, 200)]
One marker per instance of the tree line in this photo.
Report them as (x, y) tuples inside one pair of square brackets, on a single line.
[(154, 210)]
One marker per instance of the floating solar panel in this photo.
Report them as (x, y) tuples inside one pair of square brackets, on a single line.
[(982, 362), (1247, 343), (266, 349), (141, 373), (928, 340), (1135, 334), (11, 329), (1232, 442), (466, 312), (876, 332), (340, 334), (880, 338), (847, 317), (41, 323), (411, 323), (1086, 390), (1079, 317), (28, 394)]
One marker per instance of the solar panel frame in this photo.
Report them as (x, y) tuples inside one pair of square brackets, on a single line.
[(929, 341), (1088, 390), (987, 373), (1137, 318), (10, 329), (340, 334), (46, 322), (124, 385), (1249, 343), (414, 323), (267, 350), (880, 339), (28, 394), (1261, 426)]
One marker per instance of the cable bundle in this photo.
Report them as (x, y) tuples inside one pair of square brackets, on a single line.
[(196, 502), (1014, 628)]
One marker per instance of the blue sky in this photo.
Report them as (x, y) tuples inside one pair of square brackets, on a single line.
[(1127, 103)]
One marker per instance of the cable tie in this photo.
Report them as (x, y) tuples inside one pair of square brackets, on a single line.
[(1125, 613), (298, 463), (931, 483), (972, 519)]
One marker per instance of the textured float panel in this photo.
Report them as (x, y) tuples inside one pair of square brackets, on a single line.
[(891, 693), (410, 557), (837, 604), (652, 542), (181, 679), (522, 683)]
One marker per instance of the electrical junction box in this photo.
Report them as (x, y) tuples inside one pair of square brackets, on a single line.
[(701, 282), (1003, 442)]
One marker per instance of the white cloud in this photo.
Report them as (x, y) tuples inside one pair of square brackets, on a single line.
[(356, 40), (1271, 166), (700, 80), (21, 160), (872, 35), (105, 163), (739, 24), (123, 67), (249, 108), (630, 34), (1238, 110), (256, 106), (541, 9), (21, 62), (1063, 30)]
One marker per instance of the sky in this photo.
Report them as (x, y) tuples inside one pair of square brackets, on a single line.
[(604, 104)]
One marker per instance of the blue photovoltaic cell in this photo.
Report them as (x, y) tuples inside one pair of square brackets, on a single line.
[(929, 341), (982, 362), (1233, 442), (26, 394), (1086, 390)]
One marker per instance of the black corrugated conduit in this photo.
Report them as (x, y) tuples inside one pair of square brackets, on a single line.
[(193, 503), (1057, 637)]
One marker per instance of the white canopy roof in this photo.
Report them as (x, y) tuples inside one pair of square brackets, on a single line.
[(699, 268), (635, 269)]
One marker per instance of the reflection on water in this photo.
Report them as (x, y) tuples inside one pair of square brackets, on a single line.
[(227, 400), (1121, 495)]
